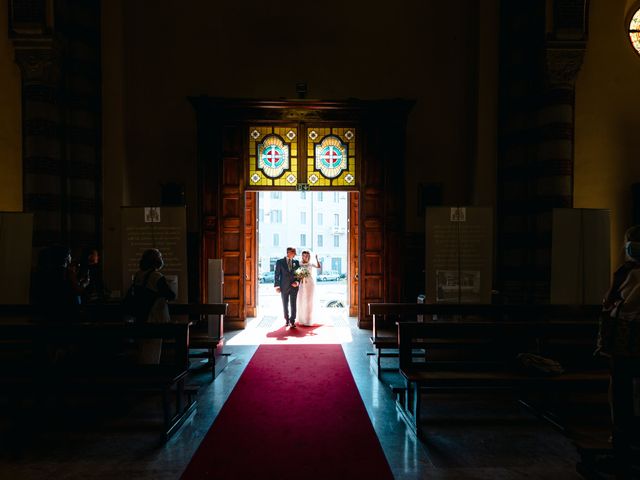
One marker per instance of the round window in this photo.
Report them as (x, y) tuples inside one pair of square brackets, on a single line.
[(634, 30)]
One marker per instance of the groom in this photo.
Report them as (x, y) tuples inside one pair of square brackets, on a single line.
[(287, 285)]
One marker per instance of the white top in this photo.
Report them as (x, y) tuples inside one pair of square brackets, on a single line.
[(630, 292)]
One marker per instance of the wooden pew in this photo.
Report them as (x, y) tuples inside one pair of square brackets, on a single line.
[(216, 359), (619, 457), (385, 315), (488, 360), (200, 340), (78, 358), (625, 373), (103, 312)]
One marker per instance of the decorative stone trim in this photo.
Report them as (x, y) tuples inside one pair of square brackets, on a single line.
[(563, 65)]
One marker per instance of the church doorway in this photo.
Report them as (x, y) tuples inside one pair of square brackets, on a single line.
[(313, 221), (248, 146)]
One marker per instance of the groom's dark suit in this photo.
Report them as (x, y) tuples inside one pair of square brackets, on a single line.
[(283, 278)]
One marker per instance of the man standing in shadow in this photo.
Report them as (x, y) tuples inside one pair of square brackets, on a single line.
[(287, 285)]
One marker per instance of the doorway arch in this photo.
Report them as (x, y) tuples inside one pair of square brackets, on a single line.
[(228, 173)]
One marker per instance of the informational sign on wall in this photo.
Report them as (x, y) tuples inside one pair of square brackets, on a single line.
[(459, 254), (16, 231), (164, 228), (580, 255)]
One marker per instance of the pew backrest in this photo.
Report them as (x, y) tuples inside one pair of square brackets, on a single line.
[(498, 340)]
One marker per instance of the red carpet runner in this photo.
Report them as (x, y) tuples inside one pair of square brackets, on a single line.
[(295, 414)]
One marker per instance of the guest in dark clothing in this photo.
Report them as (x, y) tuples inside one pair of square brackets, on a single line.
[(90, 272), (57, 289), (623, 293), (150, 279), (621, 307)]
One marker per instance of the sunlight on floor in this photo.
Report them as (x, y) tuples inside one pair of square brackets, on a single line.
[(332, 328)]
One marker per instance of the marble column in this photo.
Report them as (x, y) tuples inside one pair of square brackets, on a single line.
[(535, 168), (61, 128)]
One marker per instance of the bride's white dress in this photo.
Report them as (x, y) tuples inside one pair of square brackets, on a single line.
[(305, 297)]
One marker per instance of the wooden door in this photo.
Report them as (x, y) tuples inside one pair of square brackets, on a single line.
[(353, 254), (232, 225), (250, 254), (382, 209), (372, 215)]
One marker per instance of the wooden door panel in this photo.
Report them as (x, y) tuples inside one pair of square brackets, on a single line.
[(372, 218), (373, 202), (250, 249), (231, 209), (353, 274), (232, 220), (231, 265), (231, 173), (233, 309), (230, 240), (374, 240), (381, 216), (373, 288), (373, 264)]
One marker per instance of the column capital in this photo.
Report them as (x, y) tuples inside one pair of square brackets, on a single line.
[(563, 64), (37, 62)]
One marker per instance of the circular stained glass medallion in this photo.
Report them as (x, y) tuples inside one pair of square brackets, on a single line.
[(273, 156), (331, 157), (634, 30)]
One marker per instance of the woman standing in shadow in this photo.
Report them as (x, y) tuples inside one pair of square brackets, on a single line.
[(152, 288)]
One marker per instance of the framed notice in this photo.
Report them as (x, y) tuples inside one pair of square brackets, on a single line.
[(459, 254), (164, 228)]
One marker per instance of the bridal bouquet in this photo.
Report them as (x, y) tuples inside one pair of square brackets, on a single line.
[(302, 273)]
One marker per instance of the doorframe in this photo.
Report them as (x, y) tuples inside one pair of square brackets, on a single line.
[(251, 299), (221, 152)]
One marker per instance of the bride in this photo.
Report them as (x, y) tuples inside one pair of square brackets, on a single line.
[(305, 293)]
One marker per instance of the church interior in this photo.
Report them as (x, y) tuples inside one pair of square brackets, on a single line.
[(488, 155)]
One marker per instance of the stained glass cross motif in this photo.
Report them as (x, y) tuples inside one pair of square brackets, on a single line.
[(331, 156), (272, 156)]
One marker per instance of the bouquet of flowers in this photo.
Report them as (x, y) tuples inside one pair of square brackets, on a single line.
[(302, 273)]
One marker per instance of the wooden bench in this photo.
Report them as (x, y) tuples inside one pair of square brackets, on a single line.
[(202, 345), (207, 334), (618, 458), (69, 359), (471, 355), (385, 315)]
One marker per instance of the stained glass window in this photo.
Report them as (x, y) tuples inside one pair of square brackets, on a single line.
[(274, 159), (331, 157), (634, 31), (273, 156)]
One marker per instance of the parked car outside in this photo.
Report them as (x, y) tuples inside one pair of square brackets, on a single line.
[(331, 294), (328, 275), (334, 303), (266, 277)]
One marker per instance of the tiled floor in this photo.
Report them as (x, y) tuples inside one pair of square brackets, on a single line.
[(486, 436)]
